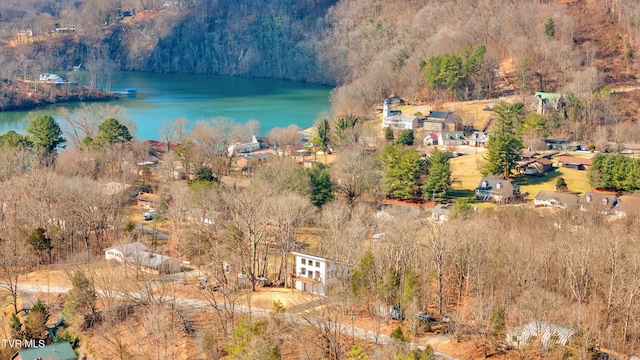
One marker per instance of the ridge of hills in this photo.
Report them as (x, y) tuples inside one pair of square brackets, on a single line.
[(367, 50)]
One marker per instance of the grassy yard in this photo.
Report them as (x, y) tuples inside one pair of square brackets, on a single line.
[(465, 173), (576, 181)]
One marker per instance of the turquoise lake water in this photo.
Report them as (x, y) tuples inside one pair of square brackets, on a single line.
[(274, 103)]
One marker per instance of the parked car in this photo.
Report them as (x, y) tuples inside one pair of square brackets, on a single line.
[(149, 215)]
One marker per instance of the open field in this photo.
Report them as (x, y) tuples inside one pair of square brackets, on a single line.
[(576, 181), (465, 170), (472, 112)]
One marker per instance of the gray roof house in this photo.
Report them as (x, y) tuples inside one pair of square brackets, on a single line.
[(56, 351), (451, 138), (440, 212), (136, 255), (556, 199), (497, 190), (479, 138), (395, 119), (441, 121), (606, 204), (549, 334)]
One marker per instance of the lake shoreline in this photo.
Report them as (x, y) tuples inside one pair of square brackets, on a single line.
[(21, 96)]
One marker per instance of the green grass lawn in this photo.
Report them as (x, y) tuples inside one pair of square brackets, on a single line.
[(576, 181), (465, 173)]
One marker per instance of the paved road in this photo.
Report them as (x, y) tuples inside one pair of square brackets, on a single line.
[(192, 303), (150, 231)]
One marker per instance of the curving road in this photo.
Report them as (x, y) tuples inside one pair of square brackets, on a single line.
[(192, 303)]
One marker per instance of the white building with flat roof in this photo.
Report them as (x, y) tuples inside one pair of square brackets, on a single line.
[(315, 274)]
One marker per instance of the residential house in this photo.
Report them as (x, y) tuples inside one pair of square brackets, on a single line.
[(479, 138), (547, 333), (147, 200), (574, 162), (56, 351), (544, 102), (121, 252), (431, 139), (135, 254), (625, 148), (606, 204), (51, 78), (628, 205), (149, 160), (497, 190), (535, 167), (255, 159), (395, 119), (440, 212), (556, 199), (529, 155), (154, 263), (553, 144), (451, 138), (441, 121), (316, 274), (241, 148)]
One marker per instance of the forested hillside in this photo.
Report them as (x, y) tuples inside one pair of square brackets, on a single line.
[(368, 49)]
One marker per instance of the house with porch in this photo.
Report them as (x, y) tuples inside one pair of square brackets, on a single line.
[(498, 190), (479, 138), (546, 198), (451, 138), (316, 274)]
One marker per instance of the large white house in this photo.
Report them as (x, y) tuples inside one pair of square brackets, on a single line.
[(316, 274), (394, 118)]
